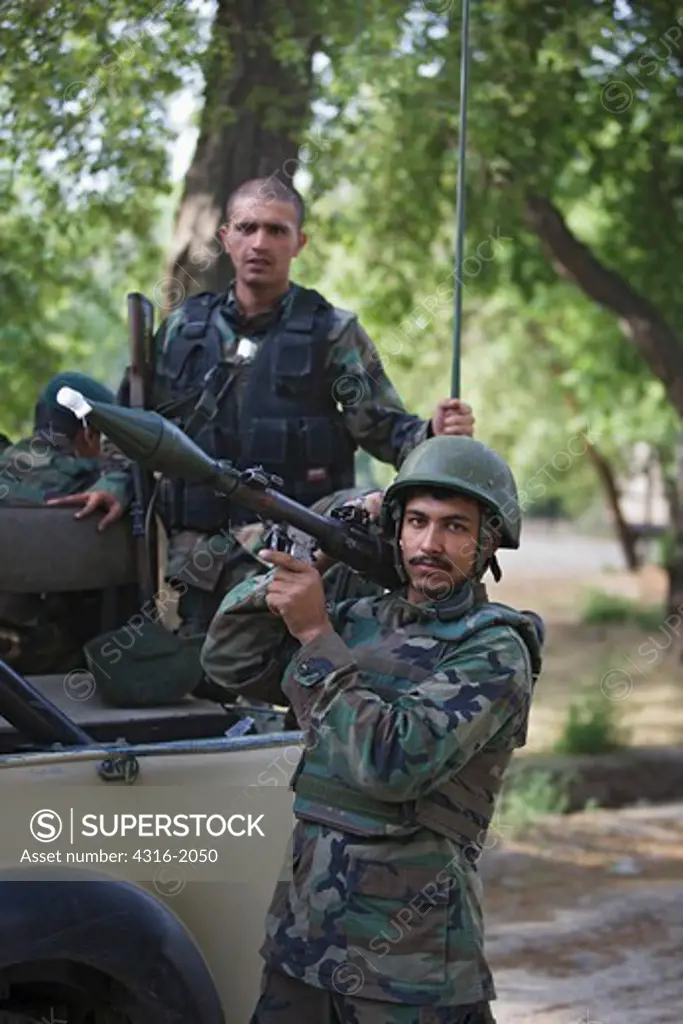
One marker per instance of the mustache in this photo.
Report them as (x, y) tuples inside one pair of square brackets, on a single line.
[(431, 562)]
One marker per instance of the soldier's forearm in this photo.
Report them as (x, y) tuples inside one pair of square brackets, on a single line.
[(373, 411), (118, 483), (247, 647), (409, 435)]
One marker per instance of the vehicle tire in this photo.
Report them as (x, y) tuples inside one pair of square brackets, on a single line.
[(72, 996)]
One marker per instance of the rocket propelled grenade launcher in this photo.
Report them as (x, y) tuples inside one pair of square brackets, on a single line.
[(161, 446)]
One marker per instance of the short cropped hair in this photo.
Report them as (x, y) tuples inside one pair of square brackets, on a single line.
[(264, 189)]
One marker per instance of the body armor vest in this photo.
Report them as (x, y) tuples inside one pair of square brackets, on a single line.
[(285, 418), (462, 807)]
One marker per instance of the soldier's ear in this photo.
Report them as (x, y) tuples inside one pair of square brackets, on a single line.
[(302, 242), (223, 232), (91, 438)]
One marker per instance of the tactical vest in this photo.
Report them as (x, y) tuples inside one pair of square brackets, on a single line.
[(288, 422), (462, 807)]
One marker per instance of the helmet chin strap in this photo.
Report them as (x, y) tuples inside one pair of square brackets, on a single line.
[(495, 568), (486, 535)]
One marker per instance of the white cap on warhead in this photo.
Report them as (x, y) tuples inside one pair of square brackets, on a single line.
[(74, 401)]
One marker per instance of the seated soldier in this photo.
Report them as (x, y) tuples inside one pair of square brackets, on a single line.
[(61, 463)]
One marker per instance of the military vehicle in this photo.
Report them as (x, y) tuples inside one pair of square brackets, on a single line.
[(171, 933), (146, 941), (141, 845)]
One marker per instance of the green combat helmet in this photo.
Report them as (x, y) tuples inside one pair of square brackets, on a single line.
[(465, 466), (144, 666)]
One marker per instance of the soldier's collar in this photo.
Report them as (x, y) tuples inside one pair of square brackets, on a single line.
[(262, 321), (403, 611)]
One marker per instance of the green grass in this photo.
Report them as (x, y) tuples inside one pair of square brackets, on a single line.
[(603, 609), (528, 794), (591, 725)]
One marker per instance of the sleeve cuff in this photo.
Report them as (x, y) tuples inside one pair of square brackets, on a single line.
[(114, 485), (318, 659), (249, 595)]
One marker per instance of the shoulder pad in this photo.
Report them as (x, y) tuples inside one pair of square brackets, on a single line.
[(192, 307), (203, 298), (341, 318), (200, 299), (174, 319)]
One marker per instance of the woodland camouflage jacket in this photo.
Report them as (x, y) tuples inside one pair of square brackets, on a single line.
[(396, 915), (43, 466)]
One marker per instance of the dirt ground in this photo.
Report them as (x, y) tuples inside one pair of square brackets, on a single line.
[(585, 919), (585, 912)]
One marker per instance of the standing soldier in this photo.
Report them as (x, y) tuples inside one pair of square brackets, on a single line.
[(270, 374), (411, 705)]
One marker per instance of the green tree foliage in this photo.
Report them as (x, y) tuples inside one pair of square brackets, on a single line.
[(575, 102), (572, 105), (83, 104), (545, 117), (83, 142)]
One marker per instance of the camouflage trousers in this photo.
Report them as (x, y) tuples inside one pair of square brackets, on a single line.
[(286, 1000)]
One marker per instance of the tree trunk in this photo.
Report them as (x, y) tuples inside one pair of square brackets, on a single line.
[(600, 462), (674, 569), (256, 107), (623, 531), (640, 321), (674, 564)]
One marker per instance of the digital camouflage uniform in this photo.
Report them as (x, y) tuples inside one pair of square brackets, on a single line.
[(373, 415), (42, 634), (410, 714)]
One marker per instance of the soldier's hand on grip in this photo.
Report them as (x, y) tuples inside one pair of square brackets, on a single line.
[(296, 594)]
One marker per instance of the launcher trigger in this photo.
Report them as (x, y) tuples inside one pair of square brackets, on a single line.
[(354, 515)]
